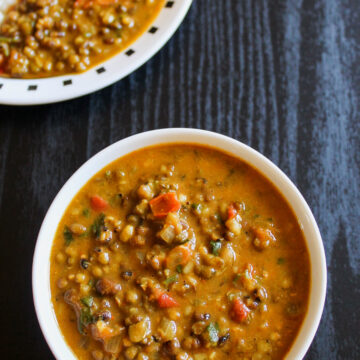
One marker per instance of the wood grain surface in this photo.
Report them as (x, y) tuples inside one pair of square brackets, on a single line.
[(281, 76)]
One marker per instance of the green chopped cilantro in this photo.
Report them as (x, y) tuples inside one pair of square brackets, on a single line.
[(97, 225), (68, 236), (85, 319), (196, 207), (87, 300), (179, 269), (86, 212), (215, 247), (245, 274), (171, 279)]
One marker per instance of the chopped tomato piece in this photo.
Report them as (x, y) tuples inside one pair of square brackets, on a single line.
[(164, 204), (239, 311), (263, 238), (166, 301), (264, 234), (98, 203), (231, 211), (100, 330)]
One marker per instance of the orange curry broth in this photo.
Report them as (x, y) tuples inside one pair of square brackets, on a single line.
[(206, 182)]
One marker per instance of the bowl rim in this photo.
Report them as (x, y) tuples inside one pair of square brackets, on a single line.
[(41, 261), (54, 89)]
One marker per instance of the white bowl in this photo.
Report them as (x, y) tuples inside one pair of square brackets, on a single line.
[(41, 262), (59, 88)]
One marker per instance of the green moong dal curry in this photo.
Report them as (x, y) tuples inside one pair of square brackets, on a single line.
[(42, 38), (179, 252)]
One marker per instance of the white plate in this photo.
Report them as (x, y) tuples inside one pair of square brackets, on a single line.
[(41, 262), (59, 88)]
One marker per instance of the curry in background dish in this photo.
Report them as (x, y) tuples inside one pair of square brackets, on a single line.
[(41, 38), (179, 252)]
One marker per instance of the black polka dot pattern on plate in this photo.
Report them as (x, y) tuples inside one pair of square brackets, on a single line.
[(130, 52), (32, 88), (100, 70), (153, 30), (169, 4), (67, 82)]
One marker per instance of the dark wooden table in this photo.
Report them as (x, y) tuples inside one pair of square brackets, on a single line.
[(281, 76)]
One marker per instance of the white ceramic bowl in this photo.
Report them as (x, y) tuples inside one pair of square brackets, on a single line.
[(59, 88), (41, 263)]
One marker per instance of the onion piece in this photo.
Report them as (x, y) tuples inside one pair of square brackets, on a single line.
[(113, 344)]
